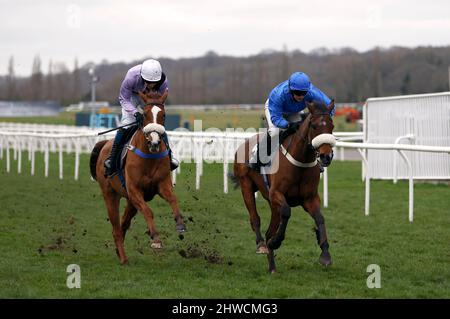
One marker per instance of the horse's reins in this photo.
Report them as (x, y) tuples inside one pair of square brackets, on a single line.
[(140, 153), (290, 158)]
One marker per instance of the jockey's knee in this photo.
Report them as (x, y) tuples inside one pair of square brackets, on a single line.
[(273, 131)]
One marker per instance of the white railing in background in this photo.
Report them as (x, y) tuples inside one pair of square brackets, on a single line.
[(425, 117), (193, 147), (398, 148)]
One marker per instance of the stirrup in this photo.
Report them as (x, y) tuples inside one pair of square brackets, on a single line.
[(253, 162), (110, 170), (255, 165)]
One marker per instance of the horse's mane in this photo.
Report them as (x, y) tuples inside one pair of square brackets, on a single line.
[(320, 106)]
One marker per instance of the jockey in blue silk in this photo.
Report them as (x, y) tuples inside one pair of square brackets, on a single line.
[(145, 76), (284, 106)]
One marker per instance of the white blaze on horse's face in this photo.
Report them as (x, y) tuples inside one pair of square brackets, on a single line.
[(153, 131), (155, 111)]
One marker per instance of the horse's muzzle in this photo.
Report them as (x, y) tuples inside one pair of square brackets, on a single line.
[(326, 158), (153, 147)]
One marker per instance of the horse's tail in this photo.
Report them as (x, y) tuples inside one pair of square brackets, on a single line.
[(234, 179), (94, 157)]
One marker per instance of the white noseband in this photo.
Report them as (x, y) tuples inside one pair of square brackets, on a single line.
[(323, 139)]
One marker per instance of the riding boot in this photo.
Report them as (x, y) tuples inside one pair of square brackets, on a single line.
[(264, 144), (174, 163), (111, 162)]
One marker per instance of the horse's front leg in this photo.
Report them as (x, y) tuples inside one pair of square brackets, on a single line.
[(165, 190), (276, 231), (136, 198), (312, 206), (279, 207)]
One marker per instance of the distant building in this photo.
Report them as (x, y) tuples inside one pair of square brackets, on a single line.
[(31, 109)]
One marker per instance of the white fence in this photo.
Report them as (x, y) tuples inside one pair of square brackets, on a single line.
[(422, 119), (196, 147), (397, 148)]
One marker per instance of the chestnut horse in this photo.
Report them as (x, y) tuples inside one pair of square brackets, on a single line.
[(294, 183), (146, 174)]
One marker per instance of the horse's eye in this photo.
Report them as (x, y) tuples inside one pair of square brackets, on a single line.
[(314, 126)]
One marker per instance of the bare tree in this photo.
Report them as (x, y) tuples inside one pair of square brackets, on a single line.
[(62, 79), (49, 89), (11, 88), (36, 85), (76, 89)]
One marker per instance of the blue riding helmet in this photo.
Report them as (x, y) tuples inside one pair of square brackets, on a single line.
[(299, 81)]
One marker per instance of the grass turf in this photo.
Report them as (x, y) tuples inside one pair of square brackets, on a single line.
[(47, 224)]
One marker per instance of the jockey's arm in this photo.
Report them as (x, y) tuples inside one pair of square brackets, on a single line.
[(318, 95), (126, 92), (276, 114)]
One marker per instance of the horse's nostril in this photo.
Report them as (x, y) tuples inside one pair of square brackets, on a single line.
[(326, 158)]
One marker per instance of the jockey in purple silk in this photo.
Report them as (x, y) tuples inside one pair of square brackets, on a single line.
[(145, 76)]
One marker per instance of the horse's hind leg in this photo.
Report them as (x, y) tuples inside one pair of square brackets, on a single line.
[(313, 208), (112, 204), (255, 221), (166, 192), (130, 212), (281, 212), (277, 229)]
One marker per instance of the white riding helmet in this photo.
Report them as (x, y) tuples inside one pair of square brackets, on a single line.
[(151, 70)]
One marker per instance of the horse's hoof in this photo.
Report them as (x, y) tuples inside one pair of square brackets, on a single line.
[(272, 271), (156, 245), (124, 262), (325, 259), (262, 249), (181, 228)]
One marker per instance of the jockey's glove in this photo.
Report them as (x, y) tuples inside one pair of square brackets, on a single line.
[(139, 118), (292, 127)]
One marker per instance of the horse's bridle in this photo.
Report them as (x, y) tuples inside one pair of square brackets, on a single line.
[(307, 139), (157, 128), (147, 130)]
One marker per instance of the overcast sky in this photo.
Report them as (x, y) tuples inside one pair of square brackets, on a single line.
[(128, 30)]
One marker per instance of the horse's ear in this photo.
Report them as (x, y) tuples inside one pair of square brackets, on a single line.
[(153, 95), (310, 106), (142, 96), (164, 96), (331, 106)]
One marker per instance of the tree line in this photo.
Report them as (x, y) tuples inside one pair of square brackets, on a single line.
[(345, 74)]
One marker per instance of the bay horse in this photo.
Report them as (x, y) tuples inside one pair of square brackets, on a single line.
[(146, 174), (294, 183)]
